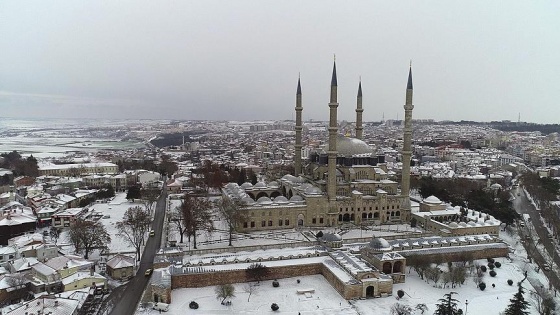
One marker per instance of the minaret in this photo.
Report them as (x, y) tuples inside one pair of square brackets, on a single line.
[(332, 153), (359, 111), (407, 151), (299, 128)]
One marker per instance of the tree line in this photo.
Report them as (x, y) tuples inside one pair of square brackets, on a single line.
[(469, 194), (18, 165)]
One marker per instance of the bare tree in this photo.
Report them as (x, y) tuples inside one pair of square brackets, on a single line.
[(446, 278), (133, 227), (458, 275), (224, 291), (87, 236), (149, 198), (176, 218), (421, 307), (55, 234), (419, 263), (432, 273), (542, 301), (233, 214), (478, 277), (250, 288), (257, 271), (16, 280), (401, 309), (197, 216)]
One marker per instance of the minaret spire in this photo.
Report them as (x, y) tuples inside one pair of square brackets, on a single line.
[(359, 111), (409, 84), (299, 128), (407, 147), (332, 153)]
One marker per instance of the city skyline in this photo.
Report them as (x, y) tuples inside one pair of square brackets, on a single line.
[(241, 61)]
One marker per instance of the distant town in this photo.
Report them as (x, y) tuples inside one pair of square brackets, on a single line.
[(310, 217)]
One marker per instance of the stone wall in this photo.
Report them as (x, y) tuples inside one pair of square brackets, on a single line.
[(196, 280), (347, 291), (481, 251)]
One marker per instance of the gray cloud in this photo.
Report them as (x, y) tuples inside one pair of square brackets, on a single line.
[(240, 59)]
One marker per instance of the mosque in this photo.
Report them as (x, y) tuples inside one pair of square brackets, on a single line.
[(346, 182)]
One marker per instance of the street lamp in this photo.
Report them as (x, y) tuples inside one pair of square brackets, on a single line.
[(466, 306)]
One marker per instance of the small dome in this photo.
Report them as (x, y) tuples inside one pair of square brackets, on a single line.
[(433, 200), (496, 186), (260, 185), (331, 237), (380, 244), (248, 200), (264, 200), (462, 224), (231, 185), (289, 177), (280, 199), (471, 223), (296, 198), (453, 225), (313, 191), (273, 184), (246, 185)]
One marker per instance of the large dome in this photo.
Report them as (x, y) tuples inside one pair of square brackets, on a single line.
[(350, 146)]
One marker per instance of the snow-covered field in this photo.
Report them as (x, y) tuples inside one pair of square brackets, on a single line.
[(326, 300), (115, 209)]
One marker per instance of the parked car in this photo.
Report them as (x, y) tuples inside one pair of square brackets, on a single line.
[(148, 272), (152, 233)]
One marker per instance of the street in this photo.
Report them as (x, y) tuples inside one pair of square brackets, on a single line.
[(522, 205), (124, 299)]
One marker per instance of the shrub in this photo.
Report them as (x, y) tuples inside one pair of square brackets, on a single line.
[(193, 305), (274, 307), (275, 283), (491, 266), (483, 268), (491, 260), (319, 234), (400, 294), (492, 273), (482, 286), (510, 282), (298, 281), (497, 264)]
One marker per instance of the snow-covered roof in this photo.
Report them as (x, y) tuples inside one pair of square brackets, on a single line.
[(120, 261), (47, 305)]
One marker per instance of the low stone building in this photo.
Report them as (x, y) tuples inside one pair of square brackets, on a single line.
[(439, 218), (380, 254), (120, 267)]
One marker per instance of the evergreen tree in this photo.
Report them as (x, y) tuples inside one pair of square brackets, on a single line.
[(448, 305), (518, 305), (242, 177)]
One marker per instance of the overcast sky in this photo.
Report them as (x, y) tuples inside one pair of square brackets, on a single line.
[(239, 60)]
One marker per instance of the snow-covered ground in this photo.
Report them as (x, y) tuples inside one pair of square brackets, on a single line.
[(325, 300), (115, 209)]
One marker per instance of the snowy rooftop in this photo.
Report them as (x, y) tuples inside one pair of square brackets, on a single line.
[(47, 305)]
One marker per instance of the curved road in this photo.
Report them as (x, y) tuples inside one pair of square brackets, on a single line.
[(522, 205), (124, 299)]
